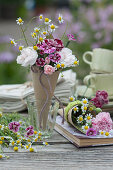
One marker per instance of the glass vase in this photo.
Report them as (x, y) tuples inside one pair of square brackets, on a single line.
[(35, 120)]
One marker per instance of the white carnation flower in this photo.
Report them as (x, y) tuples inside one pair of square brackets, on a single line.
[(66, 57), (28, 57)]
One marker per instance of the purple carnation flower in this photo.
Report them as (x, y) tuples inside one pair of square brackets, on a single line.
[(71, 37), (14, 126), (91, 132), (40, 62), (29, 128), (55, 57), (30, 132)]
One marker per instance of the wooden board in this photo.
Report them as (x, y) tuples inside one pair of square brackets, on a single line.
[(60, 154)]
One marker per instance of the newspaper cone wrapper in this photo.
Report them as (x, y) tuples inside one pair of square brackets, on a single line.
[(41, 96), (68, 113)]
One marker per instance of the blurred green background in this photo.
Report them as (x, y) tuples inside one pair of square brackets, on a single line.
[(90, 20)]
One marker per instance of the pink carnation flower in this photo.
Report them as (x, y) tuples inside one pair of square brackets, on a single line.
[(47, 60), (55, 57), (91, 132), (14, 126), (100, 99), (40, 62), (102, 122), (71, 37), (48, 69), (30, 131), (50, 46)]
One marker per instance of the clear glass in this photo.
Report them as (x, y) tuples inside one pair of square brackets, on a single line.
[(34, 118)]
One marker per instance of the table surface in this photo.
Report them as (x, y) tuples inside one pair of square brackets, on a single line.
[(59, 154)]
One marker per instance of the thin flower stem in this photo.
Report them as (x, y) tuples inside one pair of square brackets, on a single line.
[(29, 23), (65, 31), (1, 151), (67, 44), (24, 36)]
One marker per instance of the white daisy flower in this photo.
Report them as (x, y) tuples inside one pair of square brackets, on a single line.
[(85, 101), (12, 143), (19, 21), (71, 99), (101, 132), (13, 42), (76, 62), (2, 156), (1, 127), (34, 35), (36, 29), (88, 118), (20, 47), (53, 27), (44, 32), (41, 39), (60, 19), (85, 127), (80, 119), (41, 17), (47, 21), (107, 134), (84, 108), (45, 143), (75, 109)]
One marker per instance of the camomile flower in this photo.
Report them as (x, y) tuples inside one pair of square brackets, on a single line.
[(88, 118), (75, 109), (34, 35), (40, 39), (1, 127), (53, 27), (13, 42), (80, 119), (85, 127), (76, 62), (45, 143), (44, 32), (101, 132), (71, 99), (60, 19), (19, 21), (36, 29), (84, 108), (85, 101), (47, 21), (20, 47), (41, 17), (12, 143), (107, 134)]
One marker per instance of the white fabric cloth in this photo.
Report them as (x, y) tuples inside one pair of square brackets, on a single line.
[(13, 97)]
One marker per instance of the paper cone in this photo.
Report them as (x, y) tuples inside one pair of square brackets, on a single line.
[(41, 96)]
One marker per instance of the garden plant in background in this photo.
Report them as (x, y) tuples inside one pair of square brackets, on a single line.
[(47, 57)]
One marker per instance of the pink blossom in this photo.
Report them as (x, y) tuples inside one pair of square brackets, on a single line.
[(40, 62), (91, 132), (100, 99), (55, 57), (47, 60), (29, 127), (48, 69), (102, 122), (14, 126), (30, 132), (50, 46), (71, 37)]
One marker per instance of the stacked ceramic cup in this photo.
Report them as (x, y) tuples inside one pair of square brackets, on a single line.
[(101, 75)]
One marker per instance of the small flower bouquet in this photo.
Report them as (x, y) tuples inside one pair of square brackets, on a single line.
[(88, 117), (46, 56)]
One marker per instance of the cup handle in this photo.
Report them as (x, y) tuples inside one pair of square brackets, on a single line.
[(85, 55), (87, 78)]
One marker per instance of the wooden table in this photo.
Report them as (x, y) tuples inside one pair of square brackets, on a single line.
[(60, 154)]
